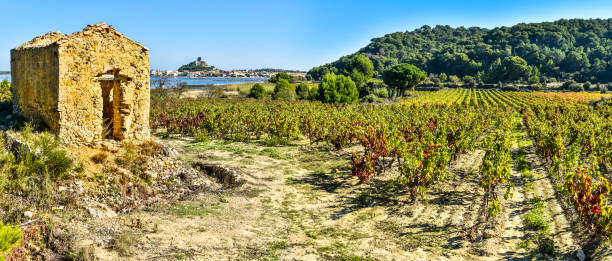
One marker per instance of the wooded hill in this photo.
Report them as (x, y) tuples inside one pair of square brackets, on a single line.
[(575, 49)]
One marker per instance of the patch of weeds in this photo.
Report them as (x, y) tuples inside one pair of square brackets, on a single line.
[(99, 157), (545, 243), (201, 137), (278, 245), (272, 153), (223, 199), (338, 251), (192, 210), (124, 244), (288, 172), (84, 253), (389, 226), (252, 193), (365, 215), (537, 218)]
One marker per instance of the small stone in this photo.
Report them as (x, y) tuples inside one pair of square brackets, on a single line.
[(488, 233), (28, 214), (580, 255), (99, 210)]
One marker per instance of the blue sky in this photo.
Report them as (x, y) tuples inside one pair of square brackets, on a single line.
[(263, 34)]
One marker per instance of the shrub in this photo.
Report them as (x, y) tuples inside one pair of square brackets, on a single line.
[(9, 237), (381, 92), (575, 87), (302, 91), (603, 89), (34, 170), (468, 80), (313, 94), (537, 218), (5, 91), (283, 91), (282, 76), (257, 91), (572, 86), (512, 88), (371, 98), (587, 86), (337, 89)]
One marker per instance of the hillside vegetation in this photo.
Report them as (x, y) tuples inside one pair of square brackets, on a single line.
[(575, 49)]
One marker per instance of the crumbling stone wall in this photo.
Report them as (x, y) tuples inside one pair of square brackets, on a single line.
[(74, 73), (37, 78)]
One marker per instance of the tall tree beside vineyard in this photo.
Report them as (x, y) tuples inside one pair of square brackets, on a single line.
[(360, 70), (337, 89), (577, 49), (404, 76)]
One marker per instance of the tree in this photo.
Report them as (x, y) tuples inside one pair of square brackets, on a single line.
[(443, 77), (572, 86), (181, 87), (469, 81), (283, 91), (302, 91), (579, 48), (516, 68), (404, 76), (257, 91), (281, 75), (159, 85), (360, 69), (337, 89)]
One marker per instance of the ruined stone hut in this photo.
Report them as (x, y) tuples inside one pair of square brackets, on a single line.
[(88, 86)]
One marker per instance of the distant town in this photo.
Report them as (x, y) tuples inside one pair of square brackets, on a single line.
[(200, 68)]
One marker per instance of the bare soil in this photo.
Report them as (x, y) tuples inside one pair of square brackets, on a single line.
[(301, 203)]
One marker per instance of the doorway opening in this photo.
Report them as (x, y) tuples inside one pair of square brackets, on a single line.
[(109, 87)]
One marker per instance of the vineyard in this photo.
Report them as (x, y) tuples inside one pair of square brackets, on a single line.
[(416, 143)]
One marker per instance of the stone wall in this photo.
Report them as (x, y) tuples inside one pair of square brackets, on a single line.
[(84, 57), (34, 79)]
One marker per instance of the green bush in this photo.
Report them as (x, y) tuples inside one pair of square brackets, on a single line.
[(381, 92), (371, 98), (257, 91), (302, 91), (337, 89), (5, 91), (587, 86), (283, 91), (9, 237), (313, 94), (603, 89), (282, 76), (34, 171), (571, 85)]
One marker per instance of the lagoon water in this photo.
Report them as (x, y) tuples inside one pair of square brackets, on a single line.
[(214, 80), (193, 81)]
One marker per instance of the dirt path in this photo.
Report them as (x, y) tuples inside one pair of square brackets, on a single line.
[(512, 225), (301, 203), (544, 189)]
